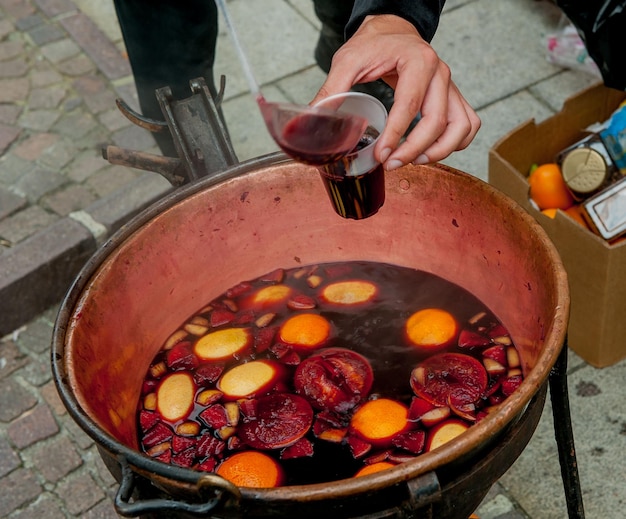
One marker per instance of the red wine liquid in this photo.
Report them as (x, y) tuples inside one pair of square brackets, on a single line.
[(319, 139), (374, 329)]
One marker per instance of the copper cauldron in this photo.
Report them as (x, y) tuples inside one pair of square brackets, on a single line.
[(269, 213)]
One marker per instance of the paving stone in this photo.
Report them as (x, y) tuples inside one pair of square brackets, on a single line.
[(51, 396), (56, 459), (45, 76), (77, 66), (17, 9), (11, 358), (37, 372), (8, 134), (6, 28), (46, 507), (9, 460), (34, 425), (12, 168), (103, 510), (59, 155), (32, 148), (39, 120), (79, 437), (110, 179), (113, 120), (14, 400), (93, 41), (12, 90), (54, 8), (134, 138), (45, 33), (17, 489), (25, 223), (59, 51), (14, 68), (9, 113), (84, 165), (49, 260), (79, 492), (9, 50), (28, 22), (69, 199), (46, 97), (76, 124), (35, 184)]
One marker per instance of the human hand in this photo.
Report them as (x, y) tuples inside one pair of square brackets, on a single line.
[(388, 47)]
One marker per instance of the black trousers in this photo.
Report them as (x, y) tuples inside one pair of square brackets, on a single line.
[(170, 42)]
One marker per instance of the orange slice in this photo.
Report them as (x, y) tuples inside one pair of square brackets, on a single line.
[(223, 344), (252, 469), (349, 292), (249, 379), (373, 468), (431, 328), (271, 294), (378, 421), (175, 396), (444, 432), (305, 330)]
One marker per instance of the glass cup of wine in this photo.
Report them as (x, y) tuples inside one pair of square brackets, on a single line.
[(355, 183)]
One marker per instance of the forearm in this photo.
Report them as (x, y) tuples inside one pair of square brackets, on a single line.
[(423, 14)]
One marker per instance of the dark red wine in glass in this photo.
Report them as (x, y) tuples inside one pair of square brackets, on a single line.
[(355, 195)]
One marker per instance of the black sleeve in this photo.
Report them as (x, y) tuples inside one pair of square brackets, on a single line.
[(423, 14)]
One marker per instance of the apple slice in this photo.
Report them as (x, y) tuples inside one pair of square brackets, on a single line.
[(444, 432), (175, 396), (223, 344), (435, 416), (349, 292), (378, 421), (250, 379)]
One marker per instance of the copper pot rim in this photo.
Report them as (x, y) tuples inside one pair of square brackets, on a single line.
[(475, 437)]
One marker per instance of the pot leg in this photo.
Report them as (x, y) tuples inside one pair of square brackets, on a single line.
[(565, 436)]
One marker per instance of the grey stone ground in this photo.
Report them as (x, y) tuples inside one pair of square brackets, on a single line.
[(62, 65)]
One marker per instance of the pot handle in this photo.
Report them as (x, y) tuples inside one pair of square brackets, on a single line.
[(221, 489), (424, 491)]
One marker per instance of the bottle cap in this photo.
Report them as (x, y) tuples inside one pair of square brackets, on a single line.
[(584, 170)]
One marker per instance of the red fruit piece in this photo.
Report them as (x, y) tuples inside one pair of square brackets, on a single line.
[(209, 445), (303, 448), (412, 441), (471, 339), (158, 434), (238, 290), (281, 420), (497, 353), (461, 402), (208, 465), (180, 443), (358, 447), (181, 356), (336, 379), (184, 458), (264, 338), (221, 316), (147, 419), (510, 384), (215, 416), (438, 376), (206, 374), (301, 302), (418, 408)]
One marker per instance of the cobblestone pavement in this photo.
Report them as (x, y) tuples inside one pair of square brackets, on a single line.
[(62, 65)]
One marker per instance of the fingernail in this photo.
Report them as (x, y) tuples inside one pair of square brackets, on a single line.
[(393, 164), (384, 155), (422, 159)]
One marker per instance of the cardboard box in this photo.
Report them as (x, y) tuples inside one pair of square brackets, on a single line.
[(596, 269)]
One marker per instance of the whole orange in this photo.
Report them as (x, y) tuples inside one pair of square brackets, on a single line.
[(548, 189)]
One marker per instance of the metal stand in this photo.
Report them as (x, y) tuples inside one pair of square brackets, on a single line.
[(565, 436)]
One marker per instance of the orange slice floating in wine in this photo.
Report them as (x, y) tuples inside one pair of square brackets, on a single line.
[(431, 328), (250, 379), (378, 421), (373, 468), (175, 396), (223, 344), (305, 330), (349, 292), (271, 294), (252, 469)]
